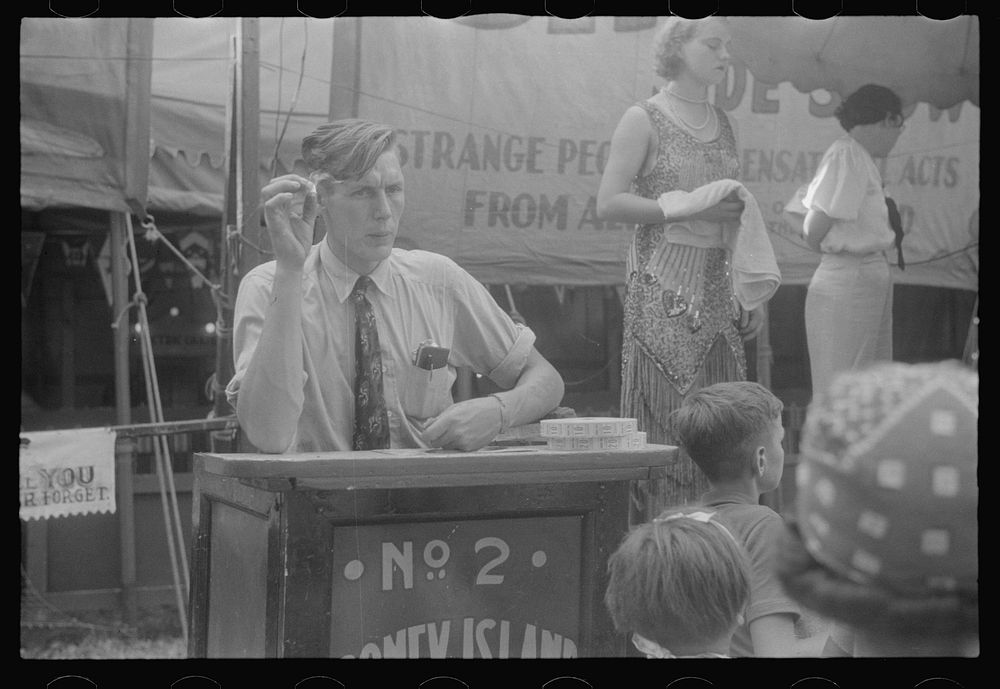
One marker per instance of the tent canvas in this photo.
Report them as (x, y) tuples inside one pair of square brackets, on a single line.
[(84, 99), (504, 124)]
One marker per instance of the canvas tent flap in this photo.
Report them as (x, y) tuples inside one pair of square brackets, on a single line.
[(191, 84), (923, 60), (505, 124), (84, 99), (503, 149)]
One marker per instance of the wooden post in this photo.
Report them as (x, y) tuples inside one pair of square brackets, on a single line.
[(228, 276), (241, 214), (345, 68), (67, 368), (764, 354), (125, 470), (613, 341), (764, 357), (970, 354), (222, 441), (139, 76), (119, 299), (248, 218), (36, 559), (228, 253)]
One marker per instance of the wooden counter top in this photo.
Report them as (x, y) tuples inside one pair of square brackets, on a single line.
[(414, 468)]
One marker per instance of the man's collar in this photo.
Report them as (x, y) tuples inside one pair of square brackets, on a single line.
[(343, 278)]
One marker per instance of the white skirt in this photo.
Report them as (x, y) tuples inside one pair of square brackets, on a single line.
[(848, 315)]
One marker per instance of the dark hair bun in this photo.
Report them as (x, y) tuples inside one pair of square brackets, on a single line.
[(869, 104)]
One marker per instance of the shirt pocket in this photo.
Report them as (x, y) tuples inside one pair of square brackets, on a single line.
[(423, 393)]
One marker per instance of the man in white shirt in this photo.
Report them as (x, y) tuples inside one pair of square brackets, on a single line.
[(302, 319)]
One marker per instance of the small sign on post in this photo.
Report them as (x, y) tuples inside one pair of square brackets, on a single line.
[(67, 472)]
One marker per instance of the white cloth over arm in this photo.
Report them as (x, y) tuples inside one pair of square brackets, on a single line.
[(756, 275)]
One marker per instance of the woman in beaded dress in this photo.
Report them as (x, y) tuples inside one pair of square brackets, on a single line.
[(683, 328)]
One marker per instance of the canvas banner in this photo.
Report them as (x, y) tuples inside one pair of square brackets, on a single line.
[(505, 123), (67, 472)]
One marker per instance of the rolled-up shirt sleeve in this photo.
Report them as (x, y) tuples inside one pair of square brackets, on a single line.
[(248, 321), (509, 370), (486, 339)]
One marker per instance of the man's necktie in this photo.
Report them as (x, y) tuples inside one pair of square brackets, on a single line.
[(371, 422), (896, 223)]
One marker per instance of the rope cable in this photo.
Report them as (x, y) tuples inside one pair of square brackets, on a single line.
[(163, 469)]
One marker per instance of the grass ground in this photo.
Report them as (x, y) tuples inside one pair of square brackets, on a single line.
[(51, 634)]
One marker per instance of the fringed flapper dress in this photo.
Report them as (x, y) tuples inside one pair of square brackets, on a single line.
[(679, 330)]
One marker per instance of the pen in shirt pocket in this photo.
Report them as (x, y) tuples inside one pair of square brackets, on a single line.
[(430, 356)]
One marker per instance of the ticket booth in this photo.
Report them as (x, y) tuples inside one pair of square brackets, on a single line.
[(410, 553)]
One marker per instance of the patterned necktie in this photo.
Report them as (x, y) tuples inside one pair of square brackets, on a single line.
[(896, 223), (371, 422)]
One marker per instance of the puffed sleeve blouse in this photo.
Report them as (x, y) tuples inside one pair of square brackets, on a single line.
[(848, 188)]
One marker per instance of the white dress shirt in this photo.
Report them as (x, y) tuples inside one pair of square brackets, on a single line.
[(417, 296)]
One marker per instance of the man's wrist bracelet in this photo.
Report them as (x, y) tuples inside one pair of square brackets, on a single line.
[(504, 421)]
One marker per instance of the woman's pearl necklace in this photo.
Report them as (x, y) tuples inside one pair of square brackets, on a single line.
[(708, 115), (689, 100)]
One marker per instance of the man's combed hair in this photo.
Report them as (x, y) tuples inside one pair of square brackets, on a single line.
[(680, 581), (720, 425), (347, 149)]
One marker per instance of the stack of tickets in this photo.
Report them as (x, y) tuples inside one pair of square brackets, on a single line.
[(593, 433), (527, 434)]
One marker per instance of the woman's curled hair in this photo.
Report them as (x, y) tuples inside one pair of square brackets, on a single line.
[(671, 37), (869, 104)]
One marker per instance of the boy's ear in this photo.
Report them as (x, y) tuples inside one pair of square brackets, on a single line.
[(760, 461)]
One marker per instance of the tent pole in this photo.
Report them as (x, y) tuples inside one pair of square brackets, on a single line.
[(222, 439), (613, 336), (240, 213), (774, 498), (764, 355), (345, 68), (67, 357), (139, 76), (125, 470), (970, 354), (247, 149)]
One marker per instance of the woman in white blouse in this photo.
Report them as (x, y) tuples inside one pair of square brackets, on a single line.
[(849, 302)]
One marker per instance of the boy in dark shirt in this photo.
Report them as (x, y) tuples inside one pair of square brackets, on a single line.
[(733, 433)]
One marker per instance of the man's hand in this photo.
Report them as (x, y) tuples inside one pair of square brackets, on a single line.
[(290, 208), (465, 426), (751, 322)]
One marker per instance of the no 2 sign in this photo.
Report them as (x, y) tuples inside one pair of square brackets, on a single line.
[(436, 554)]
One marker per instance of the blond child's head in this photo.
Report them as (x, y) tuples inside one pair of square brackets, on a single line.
[(680, 581)]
